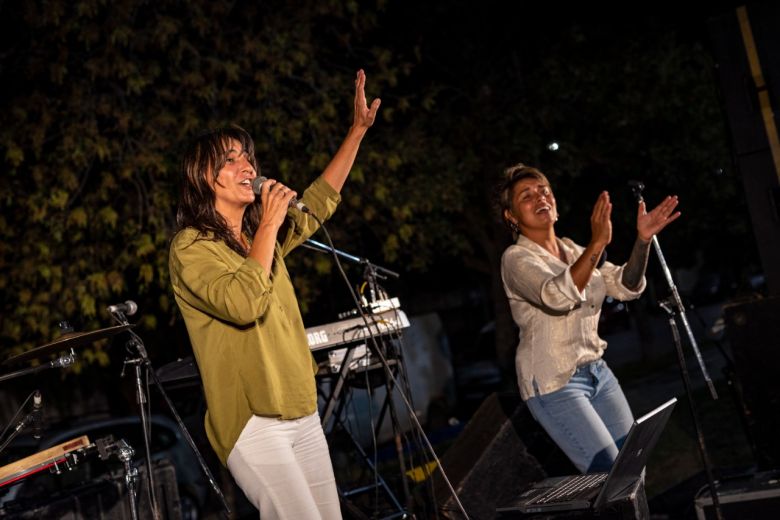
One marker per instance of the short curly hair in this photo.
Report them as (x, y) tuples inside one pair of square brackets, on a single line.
[(512, 176)]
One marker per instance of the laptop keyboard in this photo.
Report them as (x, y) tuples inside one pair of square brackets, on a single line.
[(571, 488)]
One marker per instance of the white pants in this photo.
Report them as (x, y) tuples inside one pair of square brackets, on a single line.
[(284, 469)]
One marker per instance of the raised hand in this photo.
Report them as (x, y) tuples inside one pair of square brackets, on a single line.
[(600, 221), (364, 115), (649, 224)]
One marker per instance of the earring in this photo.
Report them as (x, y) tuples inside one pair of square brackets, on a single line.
[(513, 226)]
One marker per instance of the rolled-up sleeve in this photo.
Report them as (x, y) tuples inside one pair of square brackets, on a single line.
[(202, 279), (530, 278), (613, 279), (322, 200)]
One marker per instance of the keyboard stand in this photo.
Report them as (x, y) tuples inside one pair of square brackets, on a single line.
[(338, 387), (379, 482), (331, 416)]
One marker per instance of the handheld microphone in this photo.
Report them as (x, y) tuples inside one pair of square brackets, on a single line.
[(257, 183), (128, 308), (37, 414)]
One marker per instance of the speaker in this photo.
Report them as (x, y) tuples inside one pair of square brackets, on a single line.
[(103, 498), (746, 99), (501, 450), (753, 330)]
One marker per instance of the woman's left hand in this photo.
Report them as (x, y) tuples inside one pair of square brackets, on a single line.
[(649, 224), (364, 116)]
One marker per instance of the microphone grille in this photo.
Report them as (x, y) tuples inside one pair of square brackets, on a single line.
[(257, 183), (132, 307)]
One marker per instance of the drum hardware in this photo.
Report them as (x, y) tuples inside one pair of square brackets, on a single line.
[(68, 341), (139, 360), (69, 454), (52, 458), (106, 448), (33, 418)]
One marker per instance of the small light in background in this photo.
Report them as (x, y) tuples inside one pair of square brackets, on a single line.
[(553, 146), (719, 171)]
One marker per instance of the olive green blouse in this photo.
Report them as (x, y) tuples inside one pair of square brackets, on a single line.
[(245, 325)]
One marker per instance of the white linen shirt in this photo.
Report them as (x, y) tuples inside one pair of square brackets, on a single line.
[(558, 323)]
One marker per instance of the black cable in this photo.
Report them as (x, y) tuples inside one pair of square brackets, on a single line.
[(383, 360)]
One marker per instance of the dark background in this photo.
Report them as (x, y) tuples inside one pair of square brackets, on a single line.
[(98, 100)]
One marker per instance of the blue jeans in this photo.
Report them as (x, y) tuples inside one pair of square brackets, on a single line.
[(588, 418)]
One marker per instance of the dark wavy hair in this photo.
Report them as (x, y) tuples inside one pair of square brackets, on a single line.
[(512, 176), (203, 158)]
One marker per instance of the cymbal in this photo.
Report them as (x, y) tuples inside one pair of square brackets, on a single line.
[(65, 342)]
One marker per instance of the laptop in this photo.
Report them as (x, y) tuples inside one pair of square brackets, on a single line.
[(594, 490)]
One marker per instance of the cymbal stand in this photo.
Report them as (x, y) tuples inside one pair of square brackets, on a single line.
[(135, 347), (106, 448), (143, 361), (21, 425), (61, 362), (124, 452), (372, 342)]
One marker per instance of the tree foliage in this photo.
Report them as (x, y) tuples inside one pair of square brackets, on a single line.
[(624, 98), (99, 99)]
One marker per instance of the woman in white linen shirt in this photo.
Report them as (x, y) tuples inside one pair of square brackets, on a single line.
[(555, 289)]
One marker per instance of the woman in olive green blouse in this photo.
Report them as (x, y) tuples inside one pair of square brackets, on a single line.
[(238, 303)]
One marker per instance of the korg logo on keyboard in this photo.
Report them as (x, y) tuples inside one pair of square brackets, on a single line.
[(317, 337)]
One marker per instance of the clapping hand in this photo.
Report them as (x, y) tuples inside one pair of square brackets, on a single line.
[(649, 224), (600, 221)]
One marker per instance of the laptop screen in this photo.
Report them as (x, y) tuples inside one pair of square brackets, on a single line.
[(633, 455)]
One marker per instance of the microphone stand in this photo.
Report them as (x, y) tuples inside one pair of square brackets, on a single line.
[(675, 308), (142, 361), (324, 248), (375, 270)]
